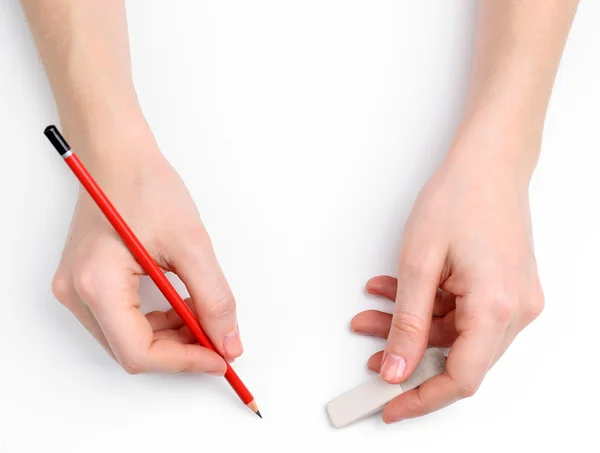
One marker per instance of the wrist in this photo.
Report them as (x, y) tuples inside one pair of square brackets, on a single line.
[(122, 163), (105, 140), (489, 144), (504, 117)]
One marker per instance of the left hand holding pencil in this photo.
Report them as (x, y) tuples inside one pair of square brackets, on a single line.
[(98, 278)]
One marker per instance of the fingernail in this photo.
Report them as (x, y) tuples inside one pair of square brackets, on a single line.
[(232, 344), (215, 373), (361, 332), (395, 420), (392, 368)]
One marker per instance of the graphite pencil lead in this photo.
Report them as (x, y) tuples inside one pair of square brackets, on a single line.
[(253, 407)]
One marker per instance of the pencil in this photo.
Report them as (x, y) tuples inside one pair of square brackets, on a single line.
[(144, 258)]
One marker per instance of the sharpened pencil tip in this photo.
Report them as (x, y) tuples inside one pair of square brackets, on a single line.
[(253, 407)]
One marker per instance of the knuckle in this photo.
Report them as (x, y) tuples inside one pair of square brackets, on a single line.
[(192, 243), (132, 365), (416, 269), (61, 287), (197, 240), (221, 305), (85, 281), (503, 306), (467, 389), (189, 361), (407, 324)]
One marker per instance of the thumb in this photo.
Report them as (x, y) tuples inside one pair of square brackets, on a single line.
[(418, 280)]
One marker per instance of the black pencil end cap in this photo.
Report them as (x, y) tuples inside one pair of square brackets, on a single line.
[(57, 140)]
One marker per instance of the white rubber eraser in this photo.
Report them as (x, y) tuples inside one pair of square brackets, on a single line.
[(372, 395)]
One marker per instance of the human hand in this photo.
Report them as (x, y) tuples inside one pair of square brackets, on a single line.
[(98, 278), (467, 278)]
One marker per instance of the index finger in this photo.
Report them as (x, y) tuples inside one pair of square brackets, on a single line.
[(469, 360)]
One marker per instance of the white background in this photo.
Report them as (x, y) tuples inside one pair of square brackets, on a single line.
[(304, 131)]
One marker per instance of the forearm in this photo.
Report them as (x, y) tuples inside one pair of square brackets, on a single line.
[(518, 49), (85, 49)]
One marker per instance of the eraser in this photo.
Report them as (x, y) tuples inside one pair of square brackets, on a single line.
[(372, 395)]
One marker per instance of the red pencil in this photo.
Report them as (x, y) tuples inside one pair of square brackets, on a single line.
[(144, 258)]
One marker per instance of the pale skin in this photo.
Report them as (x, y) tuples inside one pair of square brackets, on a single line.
[(467, 276)]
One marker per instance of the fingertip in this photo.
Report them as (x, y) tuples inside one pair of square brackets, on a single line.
[(380, 278), (382, 286), (406, 344), (232, 344), (376, 367), (392, 368), (373, 284), (432, 395), (355, 324), (374, 362), (395, 410), (372, 291), (360, 332), (390, 420), (167, 355), (218, 369), (216, 365)]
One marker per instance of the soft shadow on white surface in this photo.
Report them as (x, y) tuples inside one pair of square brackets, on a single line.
[(304, 132)]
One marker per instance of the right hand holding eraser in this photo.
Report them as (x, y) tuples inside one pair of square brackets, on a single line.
[(467, 279)]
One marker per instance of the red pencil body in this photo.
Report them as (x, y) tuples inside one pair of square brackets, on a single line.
[(149, 265)]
